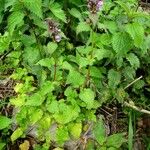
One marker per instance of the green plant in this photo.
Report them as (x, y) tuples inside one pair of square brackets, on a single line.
[(74, 63)]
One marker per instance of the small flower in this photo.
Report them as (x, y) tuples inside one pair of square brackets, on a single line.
[(94, 5), (53, 29), (57, 38)]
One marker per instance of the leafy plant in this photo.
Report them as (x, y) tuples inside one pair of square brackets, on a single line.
[(69, 58)]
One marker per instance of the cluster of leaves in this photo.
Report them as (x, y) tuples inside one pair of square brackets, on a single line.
[(65, 82)]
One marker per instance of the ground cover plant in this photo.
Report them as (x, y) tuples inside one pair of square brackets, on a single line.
[(72, 72)]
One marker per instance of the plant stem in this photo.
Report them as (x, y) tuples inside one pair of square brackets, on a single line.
[(91, 56), (55, 69)]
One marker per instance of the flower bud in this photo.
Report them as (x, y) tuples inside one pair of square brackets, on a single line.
[(94, 5)]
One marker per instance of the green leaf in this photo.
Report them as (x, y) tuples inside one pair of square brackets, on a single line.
[(34, 6), (18, 101), (114, 78), (75, 78), (120, 95), (35, 115), (16, 134), (51, 47), (133, 59), (136, 31), (76, 13), (4, 42), (46, 62), (83, 27), (122, 43), (2, 145), (14, 20), (116, 140), (62, 135), (35, 100), (46, 88), (105, 39), (4, 122), (53, 107), (75, 129), (101, 53), (99, 131), (87, 96), (31, 55), (57, 11), (70, 114), (139, 84)]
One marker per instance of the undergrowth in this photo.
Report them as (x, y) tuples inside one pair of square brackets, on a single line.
[(68, 58)]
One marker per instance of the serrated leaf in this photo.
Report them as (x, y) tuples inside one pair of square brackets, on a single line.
[(18, 101), (53, 107), (116, 140), (101, 53), (122, 43), (62, 135), (14, 19), (76, 13), (4, 122), (75, 78), (99, 131), (35, 115), (4, 42), (114, 78), (57, 11), (133, 59), (31, 55), (87, 96), (34, 6), (46, 88), (51, 47), (70, 113), (35, 100), (16, 134), (76, 129), (83, 27), (46, 62), (105, 39), (136, 31), (139, 84)]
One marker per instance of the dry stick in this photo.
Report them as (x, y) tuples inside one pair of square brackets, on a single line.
[(137, 108), (132, 105), (133, 82)]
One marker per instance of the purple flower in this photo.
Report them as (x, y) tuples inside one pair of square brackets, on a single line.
[(53, 30), (57, 38), (94, 5)]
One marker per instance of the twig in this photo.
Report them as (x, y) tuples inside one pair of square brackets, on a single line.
[(132, 105), (83, 136), (137, 108), (133, 82)]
